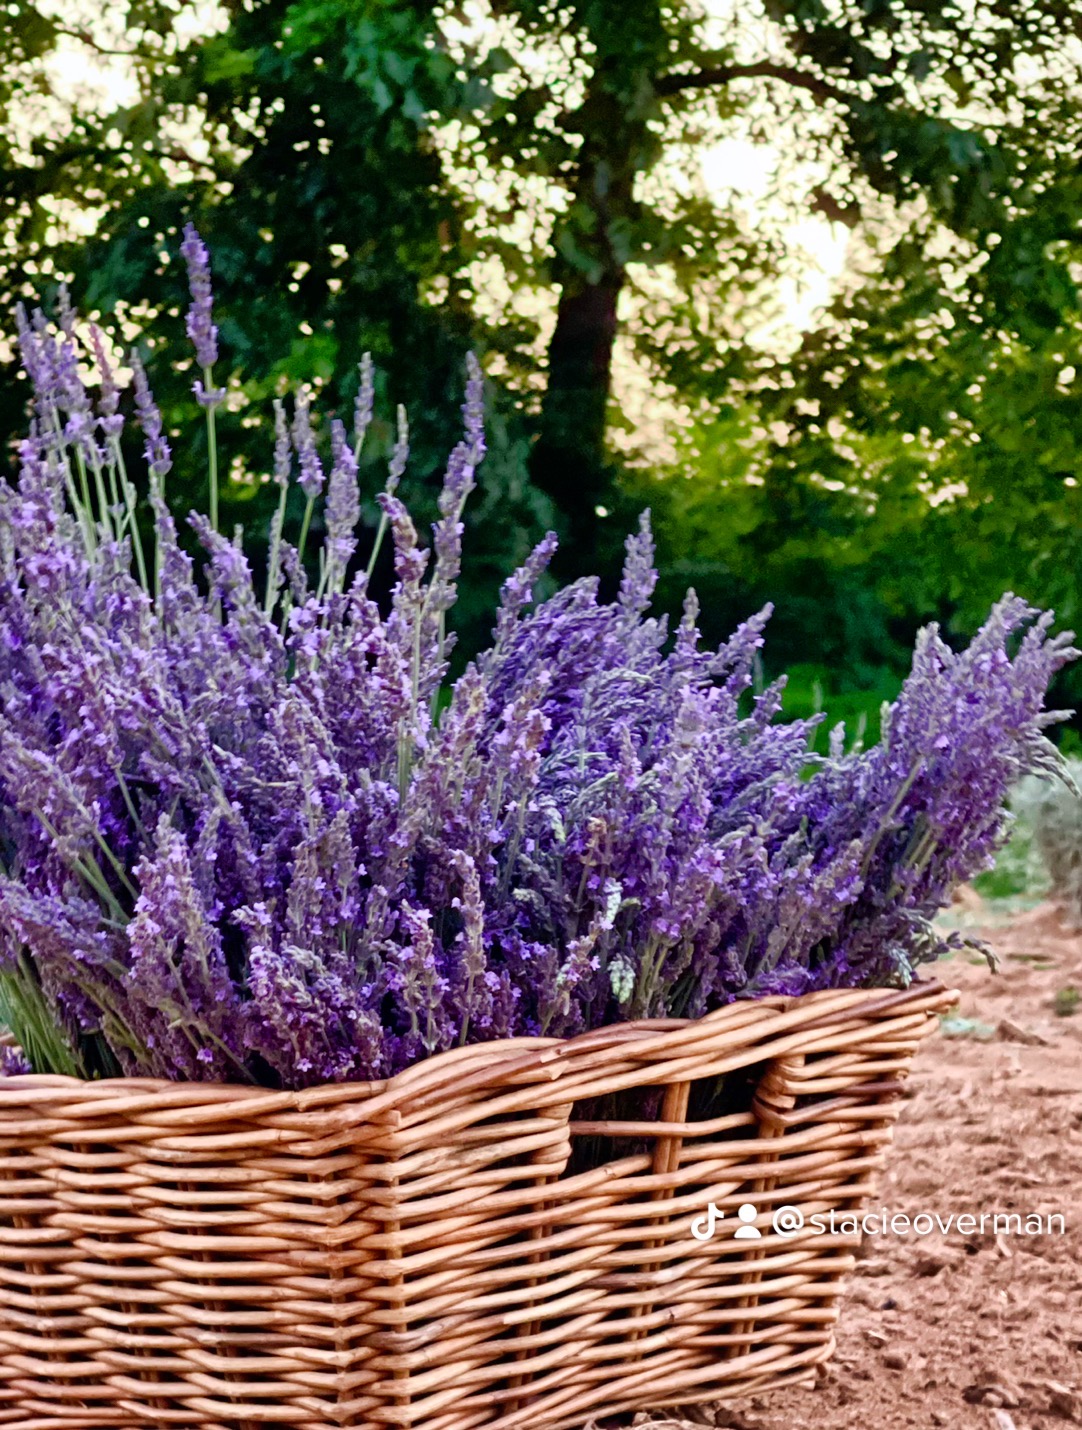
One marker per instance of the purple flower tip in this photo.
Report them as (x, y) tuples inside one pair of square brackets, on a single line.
[(201, 329)]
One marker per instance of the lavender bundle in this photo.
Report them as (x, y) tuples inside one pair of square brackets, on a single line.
[(237, 842)]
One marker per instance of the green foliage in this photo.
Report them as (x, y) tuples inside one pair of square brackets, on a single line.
[(841, 585), (377, 175), (821, 689), (321, 198), (1018, 878), (1057, 825), (25, 1013), (940, 402), (1021, 876)]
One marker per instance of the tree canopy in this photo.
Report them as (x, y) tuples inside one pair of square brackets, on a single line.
[(524, 176)]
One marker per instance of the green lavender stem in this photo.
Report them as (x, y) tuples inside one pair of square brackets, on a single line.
[(26, 1013), (103, 499), (306, 522), (87, 505), (275, 557), (381, 531), (212, 447), (131, 520)]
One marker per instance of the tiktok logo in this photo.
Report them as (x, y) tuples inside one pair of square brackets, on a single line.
[(703, 1227)]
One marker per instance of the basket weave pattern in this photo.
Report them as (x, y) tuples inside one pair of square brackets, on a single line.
[(432, 1251)]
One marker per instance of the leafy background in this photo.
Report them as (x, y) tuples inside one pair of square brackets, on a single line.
[(620, 208)]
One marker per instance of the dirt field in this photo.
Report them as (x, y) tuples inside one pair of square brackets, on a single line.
[(979, 1331)]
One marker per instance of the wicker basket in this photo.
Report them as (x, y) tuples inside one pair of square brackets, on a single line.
[(500, 1236)]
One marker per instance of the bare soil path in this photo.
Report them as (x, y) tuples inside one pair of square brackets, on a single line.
[(968, 1332)]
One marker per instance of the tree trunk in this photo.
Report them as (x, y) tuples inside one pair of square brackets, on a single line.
[(569, 460)]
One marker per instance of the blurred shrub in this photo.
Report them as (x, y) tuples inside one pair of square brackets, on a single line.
[(814, 689), (1057, 824), (1020, 874)]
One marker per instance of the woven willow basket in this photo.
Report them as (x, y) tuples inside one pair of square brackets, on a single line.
[(471, 1243)]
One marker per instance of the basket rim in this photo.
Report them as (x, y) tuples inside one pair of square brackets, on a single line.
[(505, 1059)]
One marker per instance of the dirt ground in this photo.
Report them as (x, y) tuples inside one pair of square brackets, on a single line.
[(977, 1332)]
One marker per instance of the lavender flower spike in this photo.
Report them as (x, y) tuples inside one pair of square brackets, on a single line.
[(311, 474), (112, 423), (473, 409), (159, 457), (282, 465), (201, 329), (395, 470), (401, 453), (283, 457), (362, 408), (204, 336), (342, 511)]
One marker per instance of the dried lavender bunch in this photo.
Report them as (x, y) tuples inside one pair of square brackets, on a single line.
[(236, 843)]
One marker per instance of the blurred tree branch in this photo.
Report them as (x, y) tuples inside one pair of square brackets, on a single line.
[(711, 77)]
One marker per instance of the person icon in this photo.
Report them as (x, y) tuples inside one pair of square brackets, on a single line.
[(747, 1231)]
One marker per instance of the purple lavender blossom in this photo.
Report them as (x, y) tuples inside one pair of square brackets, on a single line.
[(400, 455), (110, 395), (201, 329), (237, 842), (362, 408), (283, 459), (159, 458), (343, 508), (13, 1062), (304, 441)]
